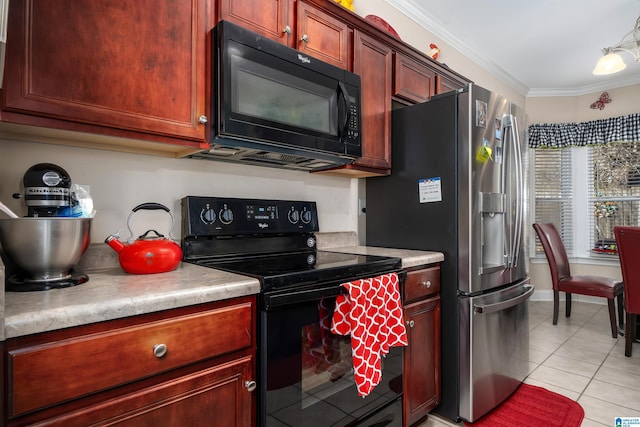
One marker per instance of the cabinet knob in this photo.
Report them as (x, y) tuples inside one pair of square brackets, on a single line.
[(411, 323), (426, 284), (250, 385), (287, 30), (159, 350), (203, 119), (304, 38)]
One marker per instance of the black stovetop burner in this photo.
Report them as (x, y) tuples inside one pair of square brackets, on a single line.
[(17, 282)]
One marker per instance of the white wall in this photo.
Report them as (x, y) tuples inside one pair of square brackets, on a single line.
[(121, 181)]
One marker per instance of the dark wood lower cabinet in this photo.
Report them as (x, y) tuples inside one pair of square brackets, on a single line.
[(421, 376), (214, 396), (193, 366)]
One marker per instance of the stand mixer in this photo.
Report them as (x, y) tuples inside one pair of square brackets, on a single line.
[(47, 191)]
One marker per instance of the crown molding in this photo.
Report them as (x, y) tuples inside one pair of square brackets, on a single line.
[(417, 14)]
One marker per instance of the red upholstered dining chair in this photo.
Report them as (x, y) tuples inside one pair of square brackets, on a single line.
[(563, 281), (628, 242)]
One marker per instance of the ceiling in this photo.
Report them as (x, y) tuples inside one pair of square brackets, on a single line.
[(541, 47)]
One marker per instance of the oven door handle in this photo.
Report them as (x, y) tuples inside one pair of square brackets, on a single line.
[(275, 300)]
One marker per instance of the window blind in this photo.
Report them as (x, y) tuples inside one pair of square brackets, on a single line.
[(554, 193)]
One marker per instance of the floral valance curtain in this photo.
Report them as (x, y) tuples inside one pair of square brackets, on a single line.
[(557, 135)]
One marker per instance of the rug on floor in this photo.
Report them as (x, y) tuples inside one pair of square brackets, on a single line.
[(533, 406)]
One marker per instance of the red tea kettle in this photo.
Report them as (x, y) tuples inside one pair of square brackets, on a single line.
[(149, 253)]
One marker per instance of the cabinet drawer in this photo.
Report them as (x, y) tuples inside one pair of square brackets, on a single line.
[(420, 283), (45, 374)]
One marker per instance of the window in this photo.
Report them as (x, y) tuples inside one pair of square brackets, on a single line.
[(593, 186), (614, 178), (554, 193)]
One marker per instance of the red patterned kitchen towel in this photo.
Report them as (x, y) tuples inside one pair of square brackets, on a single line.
[(372, 314)]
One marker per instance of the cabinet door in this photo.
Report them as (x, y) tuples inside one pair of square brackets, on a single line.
[(216, 396), (412, 80), (136, 65), (273, 19), (322, 36), (373, 61), (421, 375), (446, 84)]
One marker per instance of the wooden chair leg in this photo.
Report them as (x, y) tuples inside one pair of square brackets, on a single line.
[(621, 308), (612, 317), (568, 304), (556, 303), (629, 328)]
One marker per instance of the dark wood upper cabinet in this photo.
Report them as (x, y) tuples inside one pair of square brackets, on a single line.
[(274, 19), (133, 65), (412, 80), (372, 60)]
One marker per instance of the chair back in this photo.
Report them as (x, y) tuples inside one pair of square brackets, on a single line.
[(555, 252), (628, 242)]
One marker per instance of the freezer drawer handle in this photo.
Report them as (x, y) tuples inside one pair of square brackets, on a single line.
[(492, 308)]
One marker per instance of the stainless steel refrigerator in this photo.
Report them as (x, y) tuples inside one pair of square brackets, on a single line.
[(458, 185)]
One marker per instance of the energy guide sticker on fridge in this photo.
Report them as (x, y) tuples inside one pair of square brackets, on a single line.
[(430, 190)]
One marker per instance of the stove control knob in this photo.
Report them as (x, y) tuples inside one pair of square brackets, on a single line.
[(208, 215), (226, 215), (306, 217), (294, 216), (311, 242)]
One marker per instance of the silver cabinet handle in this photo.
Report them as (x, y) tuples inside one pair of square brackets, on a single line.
[(203, 119), (426, 284), (304, 38), (160, 350), (411, 323), (250, 385), (287, 30)]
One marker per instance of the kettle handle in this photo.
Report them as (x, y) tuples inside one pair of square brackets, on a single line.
[(150, 206)]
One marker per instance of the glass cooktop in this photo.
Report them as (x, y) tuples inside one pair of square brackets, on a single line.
[(281, 271)]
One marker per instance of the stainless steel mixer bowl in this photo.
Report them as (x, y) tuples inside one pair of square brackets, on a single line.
[(45, 249)]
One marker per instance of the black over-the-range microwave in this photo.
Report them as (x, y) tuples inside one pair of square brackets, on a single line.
[(274, 106)]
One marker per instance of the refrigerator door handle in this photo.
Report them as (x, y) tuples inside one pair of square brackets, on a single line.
[(510, 122), (519, 190), (503, 305)]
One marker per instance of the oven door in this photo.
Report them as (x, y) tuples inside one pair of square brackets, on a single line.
[(306, 372)]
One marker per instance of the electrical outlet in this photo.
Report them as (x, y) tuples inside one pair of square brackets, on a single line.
[(362, 207)]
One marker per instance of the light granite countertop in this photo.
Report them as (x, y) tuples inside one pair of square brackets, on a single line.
[(410, 258), (111, 293)]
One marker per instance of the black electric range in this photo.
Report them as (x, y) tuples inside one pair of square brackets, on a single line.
[(304, 371), (271, 240)]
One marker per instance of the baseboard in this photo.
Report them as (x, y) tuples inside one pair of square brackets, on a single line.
[(547, 295)]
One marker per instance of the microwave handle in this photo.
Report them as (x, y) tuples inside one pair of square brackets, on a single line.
[(347, 107)]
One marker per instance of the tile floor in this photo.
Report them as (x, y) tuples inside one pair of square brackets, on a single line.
[(578, 359)]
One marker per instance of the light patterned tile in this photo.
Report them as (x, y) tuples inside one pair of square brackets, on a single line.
[(618, 377), (604, 412), (436, 421), (578, 353), (538, 356), (617, 360), (586, 422), (560, 378), (541, 344), (571, 365), (614, 393), (573, 395)]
